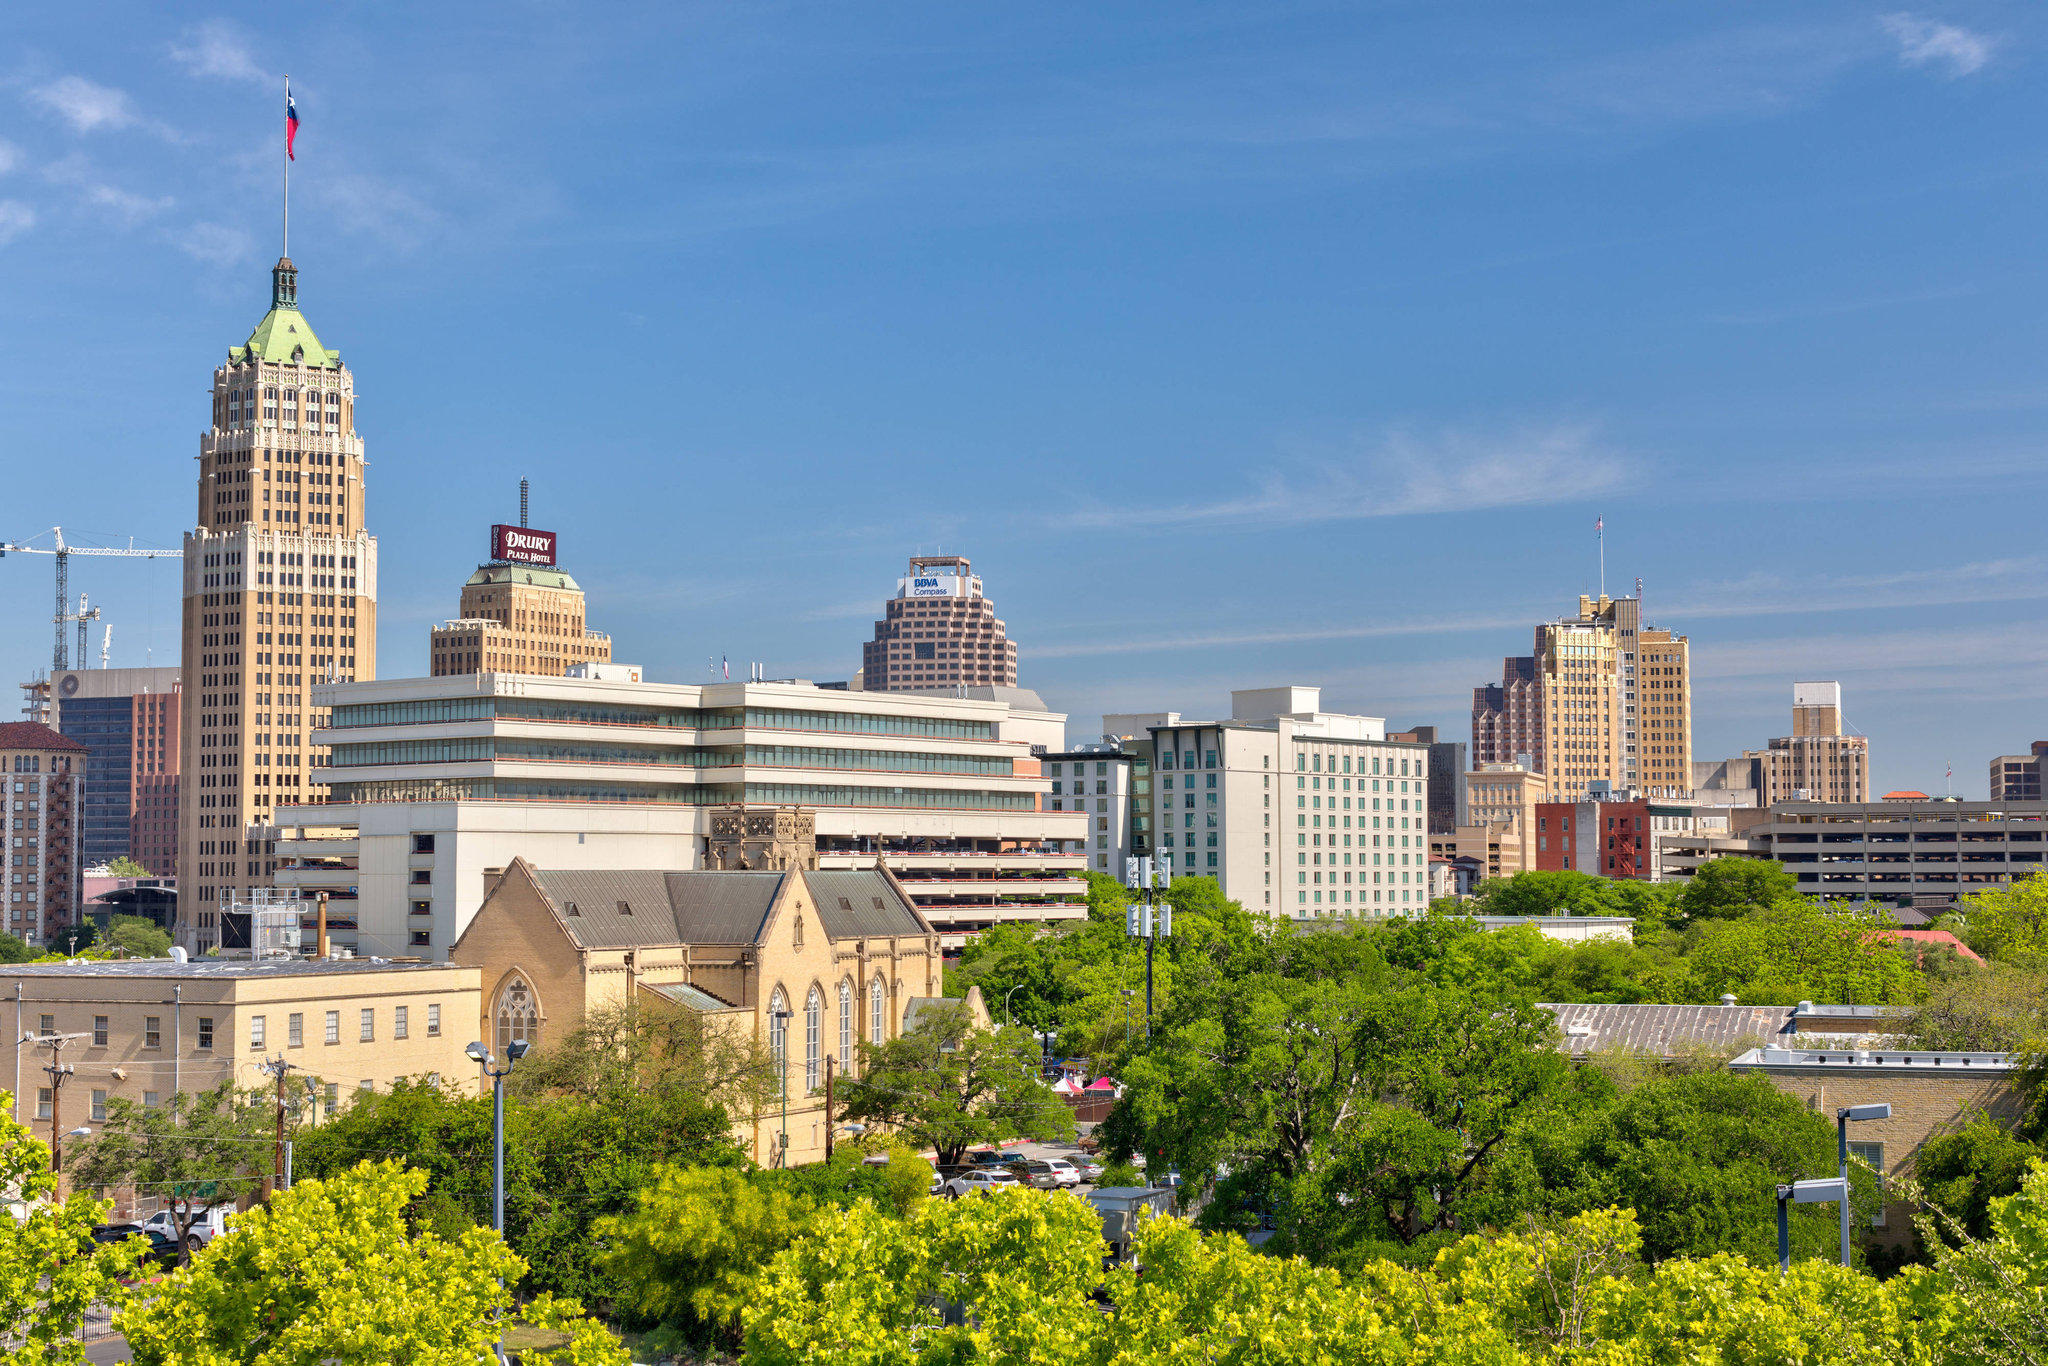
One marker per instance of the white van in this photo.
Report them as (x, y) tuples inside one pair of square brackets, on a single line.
[(208, 1226)]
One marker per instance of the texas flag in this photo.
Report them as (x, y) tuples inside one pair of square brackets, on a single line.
[(291, 126)]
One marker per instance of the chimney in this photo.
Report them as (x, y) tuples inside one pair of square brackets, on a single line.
[(320, 929), (492, 877)]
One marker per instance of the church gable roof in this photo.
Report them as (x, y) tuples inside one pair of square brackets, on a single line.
[(611, 909)]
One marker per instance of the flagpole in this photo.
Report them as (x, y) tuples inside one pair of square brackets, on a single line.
[(1600, 532), (287, 244)]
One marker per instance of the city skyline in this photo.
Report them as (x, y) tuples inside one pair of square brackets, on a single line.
[(1158, 465)]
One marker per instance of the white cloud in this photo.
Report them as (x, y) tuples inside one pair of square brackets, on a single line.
[(214, 243), (10, 156), (1404, 476), (1929, 42), (371, 205), (125, 204), (85, 105), (16, 218), (217, 50), (2017, 579)]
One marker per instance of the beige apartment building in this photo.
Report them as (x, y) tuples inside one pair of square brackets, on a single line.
[(1662, 731), (147, 1028), (939, 632), (1499, 834), (1295, 811), (280, 593), (1817, 762), (519, 616), (42, 782)]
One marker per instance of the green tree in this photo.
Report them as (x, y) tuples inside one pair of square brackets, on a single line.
[(1796, 951), (1728, 888), (1985, 1300), (51, 1271), (136, 937), (691, 1252), (652, 1046), (197, 1149), (14, 950), (329, 1272), (1995, 1008), (2009, 922), (880, 1168), (1966, 1171), (948, 1086), (1696, 1157), (127, 867)]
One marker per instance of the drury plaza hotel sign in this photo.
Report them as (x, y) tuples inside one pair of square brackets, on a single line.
[(522, 545)]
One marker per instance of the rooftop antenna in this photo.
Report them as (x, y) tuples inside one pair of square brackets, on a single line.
[(1600, 534), (522, 502)]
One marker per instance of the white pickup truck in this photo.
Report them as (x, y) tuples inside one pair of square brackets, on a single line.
[(207, 1227)]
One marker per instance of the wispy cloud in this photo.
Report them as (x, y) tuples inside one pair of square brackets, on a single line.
[(85, 105), (1929, 42), (1403, 475), (16, 218), (216, 244), (96, 192), (10, 156), (369, 204), (2017, 579), (1214, 640), (216, 50)]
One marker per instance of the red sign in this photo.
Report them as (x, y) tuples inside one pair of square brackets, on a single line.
[(522, 545)]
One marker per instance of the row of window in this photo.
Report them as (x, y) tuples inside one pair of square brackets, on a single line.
[(259, 1028), (814, 1027)]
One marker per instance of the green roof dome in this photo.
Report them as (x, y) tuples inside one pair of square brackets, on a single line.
[(284, 336)]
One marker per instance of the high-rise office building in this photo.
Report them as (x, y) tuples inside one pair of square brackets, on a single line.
[(1611, 699), (1507, 717), (1448, 808), (127, 719), (41, 873), (521, 613), (940, 632), (280, 592), (1816, 762)]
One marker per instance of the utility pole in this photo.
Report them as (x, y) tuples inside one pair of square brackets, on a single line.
[(280, 1177), (1141, 922), (829, 1060), (58, 1072)]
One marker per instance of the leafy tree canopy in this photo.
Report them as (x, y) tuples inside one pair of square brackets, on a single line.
[(127, 867), (2009, 922), (196, 1150), (1728, 888), (948, 1086)]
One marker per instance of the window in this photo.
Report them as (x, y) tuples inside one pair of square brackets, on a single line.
[(255, 1031), (149, 1100), (845, 1024), (814, 1021), (778, 1034), (400, 1023), (43, 1102), (367, 1084), (48, 1023), (517, 1015), (420, 908), (369, 1024), (99, 1106), (333, 1026), (422, 877), (331, 1097), (423, 844), (1872, 1153), (152, 1031), (205, 1031), (434, 1021), (295, 1030), (99, 1031)]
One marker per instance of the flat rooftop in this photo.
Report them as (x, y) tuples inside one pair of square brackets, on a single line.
[(215, 969)]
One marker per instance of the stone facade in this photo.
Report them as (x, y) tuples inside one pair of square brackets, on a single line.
[(847, 954), (517, 619)]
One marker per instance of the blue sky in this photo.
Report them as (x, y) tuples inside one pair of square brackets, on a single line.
[(1237, 344)]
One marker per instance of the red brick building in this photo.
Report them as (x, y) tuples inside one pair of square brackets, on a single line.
[(1606, 839)]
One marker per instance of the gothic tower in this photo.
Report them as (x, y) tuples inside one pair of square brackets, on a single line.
[(280, 594)]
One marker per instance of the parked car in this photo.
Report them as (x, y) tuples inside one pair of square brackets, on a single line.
[(1037, 1174), (162, 1250), (1087, 1168), (984, 1157), (980, 1179)]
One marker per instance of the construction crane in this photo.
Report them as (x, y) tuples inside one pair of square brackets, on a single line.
[(106, 644), (64, 552), (84, 614)]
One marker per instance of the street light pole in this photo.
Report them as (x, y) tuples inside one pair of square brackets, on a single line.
[(514, 1051), (1842, 1118), (1008, 1014), (782, 1019)]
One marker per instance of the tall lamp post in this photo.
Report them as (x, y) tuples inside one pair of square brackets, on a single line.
[(1816, 1192), (782, 1019), (1842, 1118), (481, 1055)]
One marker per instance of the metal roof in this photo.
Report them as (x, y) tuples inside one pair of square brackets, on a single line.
[(862, 904), (683, 994), (619, 909), (1662, 1030)]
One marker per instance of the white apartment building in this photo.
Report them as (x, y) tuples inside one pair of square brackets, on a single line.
[(1096, 780), (433, 781), (1294, 810)]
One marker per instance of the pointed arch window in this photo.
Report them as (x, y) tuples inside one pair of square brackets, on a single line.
[(846, 1026), (877, 1009), (814, 1028), (517, 1015), (778, 1033)]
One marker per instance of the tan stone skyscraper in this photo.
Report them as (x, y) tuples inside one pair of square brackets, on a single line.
[(940, 633), (280, 591)]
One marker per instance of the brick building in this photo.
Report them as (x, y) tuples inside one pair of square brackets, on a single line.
[(41, 860), (1604, 838)]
